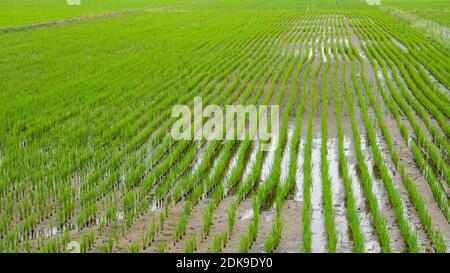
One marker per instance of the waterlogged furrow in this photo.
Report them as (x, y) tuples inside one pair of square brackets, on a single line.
[(377, 218), (409, 235), (307, 176), (416, 199)]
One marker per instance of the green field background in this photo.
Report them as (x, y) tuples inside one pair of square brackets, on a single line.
[(434, 10), (17, 12)]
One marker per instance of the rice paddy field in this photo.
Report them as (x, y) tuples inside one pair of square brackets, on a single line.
[(87, 158)]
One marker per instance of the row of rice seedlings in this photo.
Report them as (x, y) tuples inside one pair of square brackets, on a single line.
[(66, 213), (52, 245), (184, 185), (191, 244), (168, 138), (326, 181), (436, 187), (249, 182), (281, 187), (431, 107), (216, 173), (430, 54), (272, 181), (87, 215), (196, 80), (350, 202), (147, 184), (245, 189), (435, 157), (306, 216), (377, 218), (87, 241), (434, 234), (426, 77), (408, 233), (286, 186), (160, 191), (307, 165), (156, 226), (222, 188), (420, 79), (406, 108)]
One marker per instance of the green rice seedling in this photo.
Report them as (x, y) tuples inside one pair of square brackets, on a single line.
[(207, 220), (162, 220), (217, 243), (244, 243), (134, 248), (191, 244), (109, 244), (232, 215), (84, 243), (102, 226), (274, 236), (162, 248)]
